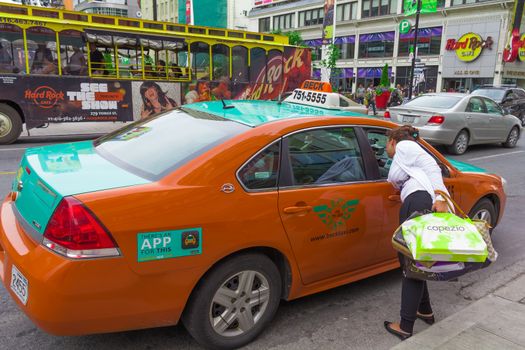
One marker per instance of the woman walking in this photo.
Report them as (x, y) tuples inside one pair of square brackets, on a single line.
[(417, 175)]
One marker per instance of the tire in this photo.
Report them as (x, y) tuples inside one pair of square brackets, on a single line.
[(10, 124), (485, 210), (206, 306), (512, 139), (460, 144)]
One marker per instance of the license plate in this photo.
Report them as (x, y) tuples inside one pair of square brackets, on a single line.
[(408, 119), (19, 285)]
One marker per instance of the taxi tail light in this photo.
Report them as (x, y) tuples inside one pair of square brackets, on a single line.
[(387, 115), (436, 120), (74, 231)]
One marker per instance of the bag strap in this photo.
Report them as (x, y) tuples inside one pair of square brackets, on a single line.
[(452, 204)]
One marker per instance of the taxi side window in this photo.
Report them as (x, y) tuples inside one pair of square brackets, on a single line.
[(325, 156), (378, 140), (261, 172)]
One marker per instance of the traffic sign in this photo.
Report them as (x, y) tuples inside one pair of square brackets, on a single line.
[(404, 26)]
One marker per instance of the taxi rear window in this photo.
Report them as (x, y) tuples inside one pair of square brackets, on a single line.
[(154, 147)]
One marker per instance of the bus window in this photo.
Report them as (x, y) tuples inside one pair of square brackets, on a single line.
[(12, 58), (73, 52), (221, 62), (178, 63), (101, 55), (240, 64), (127, 55), (42, 50), (200, 60), (257, 65)]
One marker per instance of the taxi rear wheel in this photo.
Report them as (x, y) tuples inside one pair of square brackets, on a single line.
[(234, 302)]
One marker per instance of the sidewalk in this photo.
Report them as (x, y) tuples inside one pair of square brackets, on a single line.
[(496, 321)]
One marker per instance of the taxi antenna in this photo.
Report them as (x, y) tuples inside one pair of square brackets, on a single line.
[(225, 106)]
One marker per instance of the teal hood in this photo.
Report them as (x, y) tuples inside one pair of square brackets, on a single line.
[(466, 167), (49, 173)]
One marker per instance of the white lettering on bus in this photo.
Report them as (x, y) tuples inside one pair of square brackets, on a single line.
[(91, 96)]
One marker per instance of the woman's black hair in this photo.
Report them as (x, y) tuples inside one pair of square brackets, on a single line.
[(402, 133), (162, 97)]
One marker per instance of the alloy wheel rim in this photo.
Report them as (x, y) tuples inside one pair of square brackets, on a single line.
[(5, 125), (513, 137), (239, 303), (461, 143), (483, 214)]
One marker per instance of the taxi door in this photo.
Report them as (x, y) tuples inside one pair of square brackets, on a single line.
[(332, 221)]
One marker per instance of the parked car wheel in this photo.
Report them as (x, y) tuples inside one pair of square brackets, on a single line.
[(484, 210), (10, 124), (512, 139), (460, 144), (234, 303)]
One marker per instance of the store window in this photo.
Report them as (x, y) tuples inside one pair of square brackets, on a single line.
[(373, 8), (425, 81), (376, 45), (346, 45), (311, 17), (466, 2), (371, 75), (428, 42), (264, 24), (347, 12), (283, 21), (316, 46)]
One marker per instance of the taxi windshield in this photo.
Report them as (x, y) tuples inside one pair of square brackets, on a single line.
[(154, 147)]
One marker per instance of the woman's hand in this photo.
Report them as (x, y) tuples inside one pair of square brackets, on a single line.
[(440, 207)]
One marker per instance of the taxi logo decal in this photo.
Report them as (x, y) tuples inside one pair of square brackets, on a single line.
[(169, 244), (336, 214)]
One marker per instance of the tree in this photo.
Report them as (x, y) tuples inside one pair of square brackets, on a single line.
[(385, 80), (329, 62), (294, 37)]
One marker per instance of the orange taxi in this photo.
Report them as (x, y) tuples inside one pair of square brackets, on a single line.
[(210, 216)]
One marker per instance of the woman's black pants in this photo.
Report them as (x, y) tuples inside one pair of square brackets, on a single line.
[(414, 293)]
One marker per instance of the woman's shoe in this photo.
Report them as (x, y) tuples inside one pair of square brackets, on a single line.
[(400, 334), (428, 319)]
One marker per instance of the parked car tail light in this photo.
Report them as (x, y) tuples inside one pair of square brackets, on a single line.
[(75, 232), (387, 114), (436, 120)]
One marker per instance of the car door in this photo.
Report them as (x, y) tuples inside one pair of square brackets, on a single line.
[(497, 130), (477, 120), (331, 217)]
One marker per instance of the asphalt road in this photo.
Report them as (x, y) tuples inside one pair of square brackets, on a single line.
[(348, 317)]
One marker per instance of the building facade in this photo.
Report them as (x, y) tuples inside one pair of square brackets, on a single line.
[(167, 10), (460, 46), (122, 8)]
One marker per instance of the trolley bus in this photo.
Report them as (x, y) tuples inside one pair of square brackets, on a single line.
[(64, 66)]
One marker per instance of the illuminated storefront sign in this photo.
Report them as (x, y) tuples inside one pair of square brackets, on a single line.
[(469, 46)]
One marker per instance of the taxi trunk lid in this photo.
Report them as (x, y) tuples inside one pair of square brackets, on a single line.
[(48, 174)]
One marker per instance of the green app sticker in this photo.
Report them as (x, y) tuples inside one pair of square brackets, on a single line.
[(169, 244)]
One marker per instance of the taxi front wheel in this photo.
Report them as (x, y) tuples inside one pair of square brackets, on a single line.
[(234, 302)]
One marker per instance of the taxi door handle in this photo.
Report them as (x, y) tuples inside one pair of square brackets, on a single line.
[(394, 198), (295, 210)]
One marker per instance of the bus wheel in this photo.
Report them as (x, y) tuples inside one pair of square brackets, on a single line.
[(10, 124)]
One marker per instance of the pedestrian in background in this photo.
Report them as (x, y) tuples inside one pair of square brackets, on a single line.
[(360, 94), (371, 98), (418, 176)]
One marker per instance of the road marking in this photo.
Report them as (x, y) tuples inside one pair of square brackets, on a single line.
[(14, 149), (7, 172), (495, 155)]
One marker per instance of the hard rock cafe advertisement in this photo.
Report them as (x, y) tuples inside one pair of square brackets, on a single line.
[(270, 75), (54, 99)]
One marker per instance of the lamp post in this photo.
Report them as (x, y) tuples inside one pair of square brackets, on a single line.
[(416, 28)]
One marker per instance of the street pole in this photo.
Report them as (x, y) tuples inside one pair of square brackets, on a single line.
[(154, 10), (416, 28)]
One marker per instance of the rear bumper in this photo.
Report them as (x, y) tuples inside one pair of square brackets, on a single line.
[(438, 135), (69, 297)]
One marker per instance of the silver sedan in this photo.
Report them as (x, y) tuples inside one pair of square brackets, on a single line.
[(458, 120)]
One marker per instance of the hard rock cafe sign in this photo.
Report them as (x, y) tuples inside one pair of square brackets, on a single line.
[(469, 46), (516, 47)]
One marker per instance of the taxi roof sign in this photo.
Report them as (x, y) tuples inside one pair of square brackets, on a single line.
[(315, 85)]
